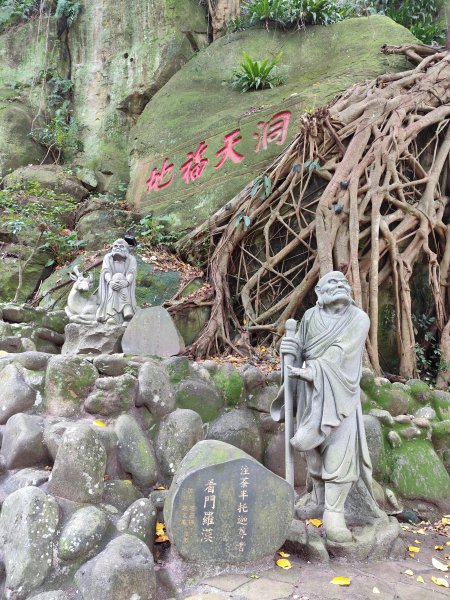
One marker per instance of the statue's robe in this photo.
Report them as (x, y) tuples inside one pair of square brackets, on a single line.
[(113, 302), (330, 428)]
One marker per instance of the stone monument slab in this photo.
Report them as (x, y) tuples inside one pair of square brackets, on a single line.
[(152, 332), (224, 506)]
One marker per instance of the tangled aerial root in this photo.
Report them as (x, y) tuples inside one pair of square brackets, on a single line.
[(363, 189)]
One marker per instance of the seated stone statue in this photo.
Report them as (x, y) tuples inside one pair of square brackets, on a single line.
[(117, 286), (328, 348)]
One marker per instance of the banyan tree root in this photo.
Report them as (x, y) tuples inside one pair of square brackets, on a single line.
[(363, 188)]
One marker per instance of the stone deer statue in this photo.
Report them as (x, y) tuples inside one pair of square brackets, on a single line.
[(81, 308)]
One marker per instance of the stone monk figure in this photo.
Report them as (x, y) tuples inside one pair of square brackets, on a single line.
[(117, 286), (328, 347)]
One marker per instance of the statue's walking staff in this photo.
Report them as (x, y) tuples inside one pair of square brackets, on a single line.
[(288, 361)]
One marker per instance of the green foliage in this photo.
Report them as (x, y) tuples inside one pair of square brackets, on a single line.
[(155, 232), (69, 9), (419, 16), (299, 13), (31, 209), (428, 354), (14, 11), (257, 75), (61, 132)]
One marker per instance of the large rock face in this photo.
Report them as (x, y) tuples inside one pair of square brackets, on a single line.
[(198, 105), (122, 52)]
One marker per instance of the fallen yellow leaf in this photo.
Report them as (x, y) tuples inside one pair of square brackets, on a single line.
[(254, 576), (375, 590), (283, 554), (413, 549), (412, 555), (420, 579), (439, 547), (447, 543), (159, 528), (284, 563), (417, 542), (99, 423), (340, 581), (421, 532), (440, 581), (315, 522), (438, 565), (160, 487), (446, 520), (161, 538), (409, 572)]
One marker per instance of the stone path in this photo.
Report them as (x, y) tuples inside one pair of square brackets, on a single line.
[(308, 581)]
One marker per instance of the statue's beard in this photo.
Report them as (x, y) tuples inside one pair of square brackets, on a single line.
[(119, 255)]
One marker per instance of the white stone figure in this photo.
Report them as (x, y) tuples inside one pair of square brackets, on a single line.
[(117, 286), (328, 348), (80, 307)]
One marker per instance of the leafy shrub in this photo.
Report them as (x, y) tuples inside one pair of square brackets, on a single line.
[(257, 75), (298, 13), (155, 232), (419, 16), (69, 9), (31, 207), (13, 11)]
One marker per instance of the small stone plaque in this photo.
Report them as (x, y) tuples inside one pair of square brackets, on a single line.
[(234, 510), (152, 332)]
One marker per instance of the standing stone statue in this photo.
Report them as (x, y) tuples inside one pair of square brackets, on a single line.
[(324, 381), (117, 286)]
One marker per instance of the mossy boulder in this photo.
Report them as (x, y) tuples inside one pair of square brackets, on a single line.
[(441, 404), (136, 453), (35, 272), (229, 384), (52, 177), (201, 397), (17, 148), (68, 382), (441, 435), (198, 104), (240, 429), (417, 471)]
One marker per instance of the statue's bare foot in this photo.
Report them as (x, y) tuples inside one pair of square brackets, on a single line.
[(335, 527)]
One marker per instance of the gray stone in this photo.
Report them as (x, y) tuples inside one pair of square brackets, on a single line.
[(260, 399), (49, 335), (124, 570), (156, 392), (274, 458), (55, 595), (16, 395), (394, 439), (238, 428), (421, 422), (15, 313), (302, 541), (161, 336), (374, 438), (49, 176), (158, 497), (427, 412), (83, 533), (68, 381), (382, 415), (265, 589), (178, 368), (409, 433), (112, 365), (112, 396), (395, 401), (23, 442), (28, 523), (229, 384), (120, 493), (200, 397), (139, 519), (254, 380), (35, 361), (53, 434), (24, 478), (178, 433), (98, 338), (87, 177), (136, 453), (79, 466), (403, 419), (223, 506)]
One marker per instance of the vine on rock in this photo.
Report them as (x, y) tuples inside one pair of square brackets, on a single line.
[(363, 188)]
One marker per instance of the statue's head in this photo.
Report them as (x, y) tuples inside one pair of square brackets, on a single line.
[(333, 287), (120, 249)]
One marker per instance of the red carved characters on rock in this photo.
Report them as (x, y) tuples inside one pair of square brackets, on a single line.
[(275, 130), (228, 151), (193, 168), (156, 180)]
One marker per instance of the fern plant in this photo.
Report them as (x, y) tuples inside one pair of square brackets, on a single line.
[(257, 75)]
